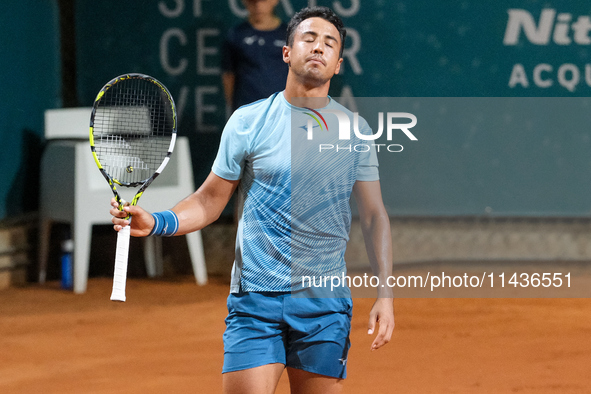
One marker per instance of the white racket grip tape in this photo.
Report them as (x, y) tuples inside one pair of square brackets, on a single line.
[(121, 255)]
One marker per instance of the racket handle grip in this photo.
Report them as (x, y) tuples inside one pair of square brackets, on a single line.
[(121, 255)]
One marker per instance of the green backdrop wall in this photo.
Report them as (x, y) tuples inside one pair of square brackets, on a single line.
[(30, 69)]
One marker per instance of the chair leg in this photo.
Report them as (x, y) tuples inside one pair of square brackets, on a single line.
[(195, 244), (44, 236), (82, 238), (153, 256)]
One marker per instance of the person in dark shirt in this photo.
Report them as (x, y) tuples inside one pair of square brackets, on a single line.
[(251, 59)]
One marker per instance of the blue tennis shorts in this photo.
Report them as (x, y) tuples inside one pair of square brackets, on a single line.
[(311, 334)]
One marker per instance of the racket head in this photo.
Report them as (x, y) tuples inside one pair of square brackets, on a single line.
[(133, 127)]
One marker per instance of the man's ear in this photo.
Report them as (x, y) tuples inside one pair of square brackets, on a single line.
[(287, 54), (338, 68)]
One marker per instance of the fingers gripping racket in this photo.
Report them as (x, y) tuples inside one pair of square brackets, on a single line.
[(132, 135)]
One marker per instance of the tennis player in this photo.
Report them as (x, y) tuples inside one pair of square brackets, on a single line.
[(268, 329)]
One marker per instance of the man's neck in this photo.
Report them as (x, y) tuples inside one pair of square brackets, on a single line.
[(264, 22), (294, 89)]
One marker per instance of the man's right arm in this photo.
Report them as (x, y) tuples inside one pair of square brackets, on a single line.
[(194, 212)]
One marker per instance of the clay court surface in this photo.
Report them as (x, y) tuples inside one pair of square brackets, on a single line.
[(167, 338)]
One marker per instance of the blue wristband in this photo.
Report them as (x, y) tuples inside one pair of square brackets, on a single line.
[(166, 224)]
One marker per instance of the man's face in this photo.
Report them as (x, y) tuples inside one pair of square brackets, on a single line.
[(314, 53), (256, 7)]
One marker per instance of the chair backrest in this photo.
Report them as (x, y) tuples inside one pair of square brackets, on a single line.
[(70, 126), (67, 123), (175, 183)]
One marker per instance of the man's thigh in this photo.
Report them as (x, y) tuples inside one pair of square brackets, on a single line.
[(318, 335), (258, 380), (255, 333), (302, 382)]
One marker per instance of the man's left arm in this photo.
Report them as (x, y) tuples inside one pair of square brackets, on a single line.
[(375, 225)]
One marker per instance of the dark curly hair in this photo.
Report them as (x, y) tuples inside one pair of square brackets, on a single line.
[(316, 12)]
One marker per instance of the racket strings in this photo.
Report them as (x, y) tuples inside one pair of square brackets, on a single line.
[(133, 127)]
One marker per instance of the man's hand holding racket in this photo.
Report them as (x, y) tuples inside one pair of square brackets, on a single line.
[(142, 223)]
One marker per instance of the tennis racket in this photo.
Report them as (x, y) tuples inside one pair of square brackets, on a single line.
[(132, 135)]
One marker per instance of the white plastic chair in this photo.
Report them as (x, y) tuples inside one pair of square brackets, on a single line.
[(73, 191)]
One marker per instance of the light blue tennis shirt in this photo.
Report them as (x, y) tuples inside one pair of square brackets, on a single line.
[(296, 180)]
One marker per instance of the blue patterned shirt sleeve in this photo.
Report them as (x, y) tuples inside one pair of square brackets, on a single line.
[(229, 162)]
